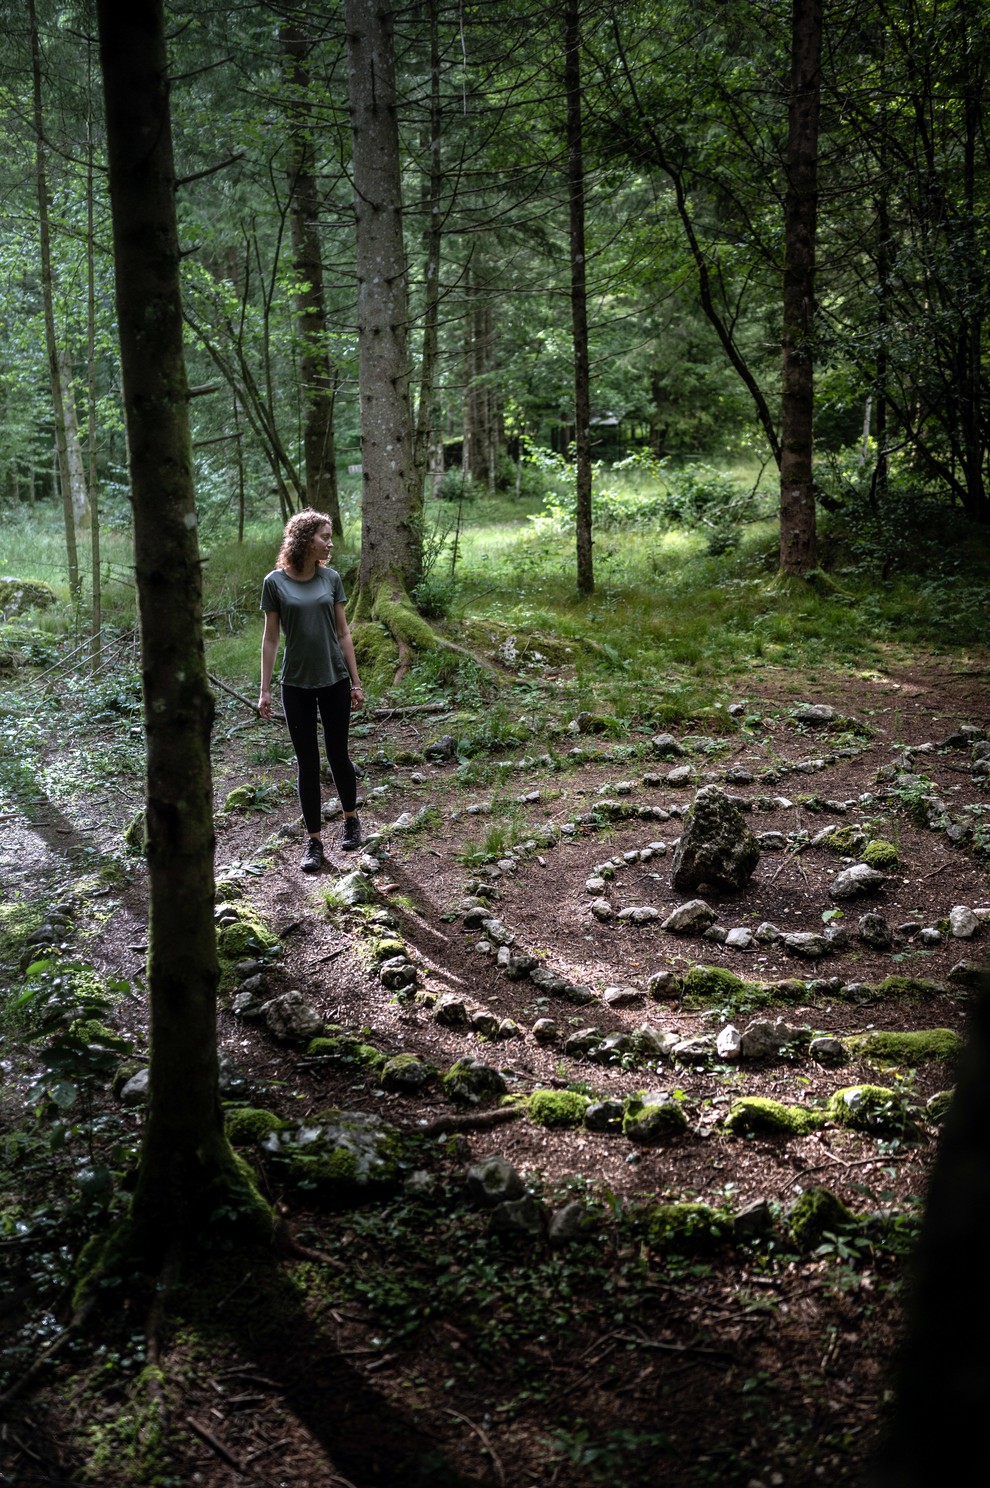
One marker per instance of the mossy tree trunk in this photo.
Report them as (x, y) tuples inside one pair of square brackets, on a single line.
[(391, 535), (579, 300), (186, 1161)]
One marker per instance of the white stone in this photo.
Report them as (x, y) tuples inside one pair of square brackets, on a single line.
[(728, 1044), (963, 923)]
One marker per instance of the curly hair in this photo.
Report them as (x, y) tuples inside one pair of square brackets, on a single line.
[(299, 533)]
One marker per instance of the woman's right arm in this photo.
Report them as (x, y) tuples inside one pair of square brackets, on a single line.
[(269, 646)]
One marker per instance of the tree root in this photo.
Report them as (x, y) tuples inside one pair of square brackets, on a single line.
[(392, 608), (473, 1121)]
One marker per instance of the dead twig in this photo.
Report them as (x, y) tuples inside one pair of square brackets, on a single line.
[(214, 1444), (483, 1438)]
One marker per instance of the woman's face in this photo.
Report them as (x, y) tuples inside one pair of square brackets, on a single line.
[(322, 543)]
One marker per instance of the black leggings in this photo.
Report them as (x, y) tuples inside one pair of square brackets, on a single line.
[(300, 706)]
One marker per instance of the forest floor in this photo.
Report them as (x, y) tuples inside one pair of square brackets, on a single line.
[(417, 1347)]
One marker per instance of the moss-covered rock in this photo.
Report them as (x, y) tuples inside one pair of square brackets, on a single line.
[(905, 1049), (406, 1072), (816, 1213), (872, 1108), (339, 1158), (557, 1107), (647, 1122), (937, 1105), (97, 1035), (469, 1081), (345, 1049), (246, 936), (756, 1115), (384, 948), (249, 1126), (124, 1072), (882, 855), (136, 833), (686, 1229), (18, 595), (711, 984), (846, 841)]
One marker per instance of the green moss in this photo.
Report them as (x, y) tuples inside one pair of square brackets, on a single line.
[(685, 1229), (755, 1114), (249, 1126), (124, 1072), (707, 984), (403, 620), (903, 986), (646, 1124), (345, 1049), (468, 1081), (846, 841), (136, 833), (408, 757), (247, 936), (92, 1032), (937, 1106), (907, 1049), (816, 1213), (881, 855), (384, 948), (872, 1108), (557, 1107), (376, 652), (340, 1157), (17, 921)]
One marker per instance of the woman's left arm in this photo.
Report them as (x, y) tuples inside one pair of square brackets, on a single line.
[(347, 651)]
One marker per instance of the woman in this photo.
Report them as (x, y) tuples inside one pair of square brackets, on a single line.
[(304, 599)]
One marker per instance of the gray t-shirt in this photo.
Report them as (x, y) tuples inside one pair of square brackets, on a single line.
[(312, 655)]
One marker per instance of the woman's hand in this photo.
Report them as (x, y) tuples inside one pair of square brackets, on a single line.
[(357, 695), (265, 703)]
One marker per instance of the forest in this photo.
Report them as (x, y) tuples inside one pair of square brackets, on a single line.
[(618, 1113)]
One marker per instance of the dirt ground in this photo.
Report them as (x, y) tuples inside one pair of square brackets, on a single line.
[(640, 1367)]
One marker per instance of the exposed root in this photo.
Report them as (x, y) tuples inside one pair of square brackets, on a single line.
[(473, 1121)]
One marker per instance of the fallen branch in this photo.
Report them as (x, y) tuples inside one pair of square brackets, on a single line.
[(232, 691), (214, 1445), (476, 1121)]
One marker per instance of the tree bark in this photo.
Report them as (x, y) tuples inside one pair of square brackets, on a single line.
[(319, 382), (184, 1155), (797, 496), (55, 371), (391, 538), (427, 431), (579, 301)]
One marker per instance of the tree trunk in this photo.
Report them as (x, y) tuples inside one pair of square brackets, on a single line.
[(579, 303), (319, 382), (797, 495), (185, 1158), (427, 433), (48, 300), (391, 538), (92, 480)]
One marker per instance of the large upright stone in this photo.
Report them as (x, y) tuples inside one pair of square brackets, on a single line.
[(716, 847)]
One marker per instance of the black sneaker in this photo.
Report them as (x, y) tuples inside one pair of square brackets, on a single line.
[(312, 858), (351, 840)]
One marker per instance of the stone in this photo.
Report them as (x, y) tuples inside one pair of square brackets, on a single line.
[(717, 933), (807, 944), (443, 748), (836, 938), (752, 1222), (697, 1050), (716, 846), (291, 1019), (613, 1046), (520, 1219), (516, 967), (570, 1223), (476, 915), (639, 914), (471, 1081), (739, 939), (767, 934), (450, 1011), (963, 923), (483, 1022), (663, 985), (692, 918), (827, 1051), (353, 889), (854, 882), (649, 1121), (508, 1028), (764, 1039), (493, 1181), (338, 1152), (604, 1116), (247, 1003), (577, 996), (135, 1091), (929, 936), (649, 1042), (875, 932), (772, 841), (498, 933), (580, 1043), (739, 775), (405, 1072), (623, 996), (728, 1043), (594, 885), (397, 972), (545, 1031), (816, 714), (602, 910), (665, 746)]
